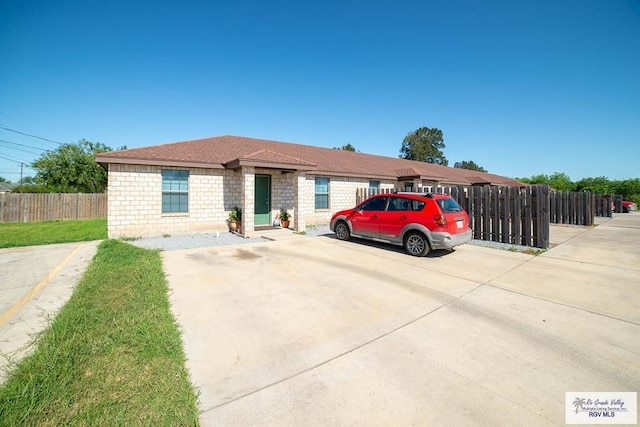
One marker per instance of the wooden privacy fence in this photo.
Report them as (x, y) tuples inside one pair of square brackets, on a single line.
[(579, 208), (571, 208), (512, 215), (521, 216), (34, 207)]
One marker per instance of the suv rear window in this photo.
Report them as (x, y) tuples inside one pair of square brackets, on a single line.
[(398, 204), (404, 204), (449, 205), (417, 205)]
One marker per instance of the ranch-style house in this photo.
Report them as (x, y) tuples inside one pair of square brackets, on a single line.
[(192, 186)]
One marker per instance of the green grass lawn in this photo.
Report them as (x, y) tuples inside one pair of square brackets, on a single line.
[(44, 233), (112, 356)]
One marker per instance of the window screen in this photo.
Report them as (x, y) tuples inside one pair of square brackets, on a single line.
[(175, 191), (322, 193)]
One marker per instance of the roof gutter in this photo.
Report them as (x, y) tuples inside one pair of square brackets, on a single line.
[(157, 162), (238, 163)]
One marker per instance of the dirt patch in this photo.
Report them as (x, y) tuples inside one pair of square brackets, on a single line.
[(244, 254)]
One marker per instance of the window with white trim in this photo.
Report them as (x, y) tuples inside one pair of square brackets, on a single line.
[(175, 191), (322, 193)]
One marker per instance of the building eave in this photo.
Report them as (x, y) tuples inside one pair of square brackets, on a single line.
[(238, 163), (354, 175), (156, 162)]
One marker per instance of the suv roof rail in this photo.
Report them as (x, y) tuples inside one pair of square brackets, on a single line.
[(416, 193)]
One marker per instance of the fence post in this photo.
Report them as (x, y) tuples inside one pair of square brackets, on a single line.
[(526, 217), (486, 213), (25, 207), (514, 195), (503, 212), (618, 202), (542, 232), (462, 197), (476, 201), (534, 215), (579, 216), (3, 201)]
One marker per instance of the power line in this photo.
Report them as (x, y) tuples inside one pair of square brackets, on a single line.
[(15, 121), (13, 160), (22, 145), (24, 165), (32, 136), (19, 158), (22, 151)]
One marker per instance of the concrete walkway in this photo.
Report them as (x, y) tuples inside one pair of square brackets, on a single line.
[(595, 269), (35, 282), (315, 331)]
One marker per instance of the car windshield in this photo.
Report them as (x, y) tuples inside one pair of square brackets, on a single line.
[(449, 205)]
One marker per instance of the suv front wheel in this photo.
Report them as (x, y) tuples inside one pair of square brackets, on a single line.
[(342, 231), (416, 244)]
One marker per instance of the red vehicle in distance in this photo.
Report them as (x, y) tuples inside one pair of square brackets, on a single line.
[(628, 206)]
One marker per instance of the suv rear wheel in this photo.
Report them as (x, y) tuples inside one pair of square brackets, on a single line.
[(416, 244)]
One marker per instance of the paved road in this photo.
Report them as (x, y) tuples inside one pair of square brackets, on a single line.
[(315, 331), (34, 283)]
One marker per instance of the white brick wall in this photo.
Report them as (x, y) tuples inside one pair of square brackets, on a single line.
[(342, 195), (135, 199)]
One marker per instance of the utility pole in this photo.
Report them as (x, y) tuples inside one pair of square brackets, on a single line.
[(21, 165)]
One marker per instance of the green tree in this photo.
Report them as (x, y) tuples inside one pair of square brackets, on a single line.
[(599, 185), (346, 147), (4, 180), (28, 180), (539, 179), (561, 182), (424, 145), (72, 168), (30, 188), (629, 188), (471, 165), (535, 179)]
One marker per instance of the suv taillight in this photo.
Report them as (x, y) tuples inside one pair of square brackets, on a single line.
[(440, 219)]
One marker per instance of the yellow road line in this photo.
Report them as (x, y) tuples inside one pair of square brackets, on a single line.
[(37, 288)]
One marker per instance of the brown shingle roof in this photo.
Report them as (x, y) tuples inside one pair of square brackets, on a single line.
[(268, 158), (410, 173), (234, 151)]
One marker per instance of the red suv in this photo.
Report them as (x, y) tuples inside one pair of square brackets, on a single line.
[(418, 221)]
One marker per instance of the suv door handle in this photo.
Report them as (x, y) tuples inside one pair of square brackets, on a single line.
[(403, 217)]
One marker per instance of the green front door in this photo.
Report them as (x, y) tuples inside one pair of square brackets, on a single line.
[(263, 200)]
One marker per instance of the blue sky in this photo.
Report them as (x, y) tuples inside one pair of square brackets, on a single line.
[(520, 87)]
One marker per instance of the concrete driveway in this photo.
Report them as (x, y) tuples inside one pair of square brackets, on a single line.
[(315, 331)]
